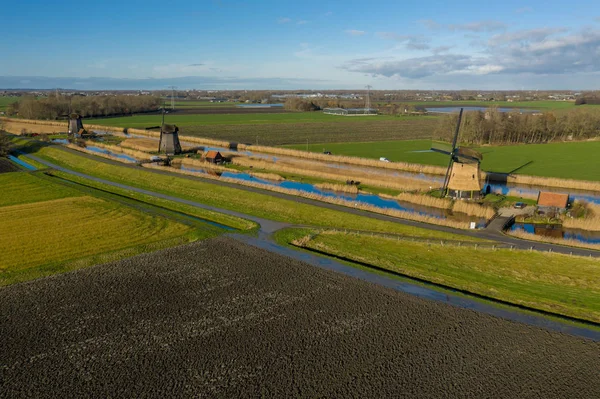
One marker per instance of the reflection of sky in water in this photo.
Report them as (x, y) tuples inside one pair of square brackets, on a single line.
[(116, 155), (578, 235)]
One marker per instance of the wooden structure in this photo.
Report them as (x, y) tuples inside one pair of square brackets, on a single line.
[(75, 126), (463, 176), (553, 200), (169, 140), (213, 157)]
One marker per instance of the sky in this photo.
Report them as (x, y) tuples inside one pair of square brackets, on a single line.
[(287, 45)]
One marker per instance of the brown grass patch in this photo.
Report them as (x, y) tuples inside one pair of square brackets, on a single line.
[(555, 182), (425, 200), (343, 188), (267, 176), (590, 222), (473, 209)]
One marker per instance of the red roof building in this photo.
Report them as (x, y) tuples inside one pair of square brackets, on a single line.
[(553, 200)]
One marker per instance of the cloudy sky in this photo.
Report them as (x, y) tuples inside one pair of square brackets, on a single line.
[(236, 44)]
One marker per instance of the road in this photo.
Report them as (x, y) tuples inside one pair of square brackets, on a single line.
[(270, 226)]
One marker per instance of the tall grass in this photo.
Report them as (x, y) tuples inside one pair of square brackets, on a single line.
[(396, 183), (122, 150), (405, 166), (351, 204), (267, 176), (590, 222), (555, 182), (552, 240), (343, 188), (473, 209), (516, 193), (425, 200)]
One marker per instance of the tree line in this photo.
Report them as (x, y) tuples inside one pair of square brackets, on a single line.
[(495, 127), (56, 107)]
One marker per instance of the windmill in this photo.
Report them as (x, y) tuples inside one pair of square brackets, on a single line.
[(462, 179), (169, 137), (75, 126)]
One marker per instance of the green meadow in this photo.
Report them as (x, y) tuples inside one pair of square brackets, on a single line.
[(577, 160)]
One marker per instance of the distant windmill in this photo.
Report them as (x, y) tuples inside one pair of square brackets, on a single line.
[(169, 137), (463, 174), (75, 125)]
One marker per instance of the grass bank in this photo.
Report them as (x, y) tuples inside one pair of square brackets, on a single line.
[(555, 283)]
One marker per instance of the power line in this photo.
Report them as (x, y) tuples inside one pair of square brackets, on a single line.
[(173, 96)]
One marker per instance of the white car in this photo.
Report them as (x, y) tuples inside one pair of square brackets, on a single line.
[(384, 159)]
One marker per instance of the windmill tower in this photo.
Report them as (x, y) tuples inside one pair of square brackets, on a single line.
[(169, 140), (463, 176), (75, 125), (169, 137)]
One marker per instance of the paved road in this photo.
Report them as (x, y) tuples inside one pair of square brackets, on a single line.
[(270, 226)]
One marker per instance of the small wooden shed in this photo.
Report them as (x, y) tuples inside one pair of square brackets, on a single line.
[(553, 200), (213, 157)]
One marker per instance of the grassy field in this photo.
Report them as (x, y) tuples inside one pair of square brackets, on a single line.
[(55, 228), (555, 283), (256, 204), (564, 160), (141, 121), (6, 101), (545, 105)]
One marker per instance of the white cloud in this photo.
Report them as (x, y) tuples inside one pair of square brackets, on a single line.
[(354, 32), (477, 26), (411, 42), (284, 20), (544, 51), (301, 22)]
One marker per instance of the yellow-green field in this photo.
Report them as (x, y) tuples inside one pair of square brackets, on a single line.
[(49, 228), (555, 283)]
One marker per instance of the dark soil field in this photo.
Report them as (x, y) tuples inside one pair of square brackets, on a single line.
[(323, 132), (222, 319), (7, 166)]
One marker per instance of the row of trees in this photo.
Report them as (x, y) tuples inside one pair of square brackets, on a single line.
[(495, 127), (401, 109), (54, 107)]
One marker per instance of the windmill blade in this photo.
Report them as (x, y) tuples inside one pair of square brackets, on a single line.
[(468, 154), (454, 140)]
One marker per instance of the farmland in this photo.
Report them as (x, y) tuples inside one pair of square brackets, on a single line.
[(196, 321), (74, 229), (576, 160), (6, 101), (542, 105), (551, 282)]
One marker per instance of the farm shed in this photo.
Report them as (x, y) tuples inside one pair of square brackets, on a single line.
[(213, 157), (553, 200)]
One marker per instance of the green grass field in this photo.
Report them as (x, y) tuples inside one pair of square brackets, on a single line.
[(577, 160), (555, 283), (542, 105), (197, 104), (141, 121), (6, 101), (50, 228)]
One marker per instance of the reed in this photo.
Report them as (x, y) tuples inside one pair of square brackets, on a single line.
[(343, 188), (267, 176), (425, 200), (473, 209), (590, 222), (555, 182), (351, 204), (515, 193), (121, 150), (197, 163), (405, 166), (396, 183), (552, 240)]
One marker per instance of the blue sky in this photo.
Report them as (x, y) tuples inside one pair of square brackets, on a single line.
[(234, 44)]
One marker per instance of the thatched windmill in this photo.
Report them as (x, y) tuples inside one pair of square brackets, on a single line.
[(463, 176), (169, 138)]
